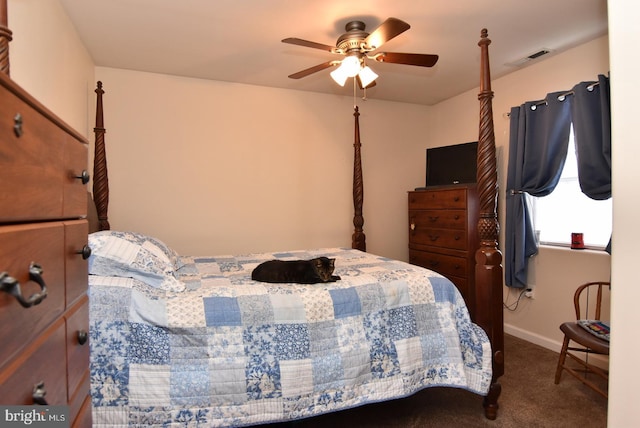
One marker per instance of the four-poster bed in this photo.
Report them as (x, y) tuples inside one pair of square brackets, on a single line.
[(265, 353), (488, 293)]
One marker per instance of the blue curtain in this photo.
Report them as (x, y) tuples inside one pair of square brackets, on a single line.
[(538, 143), (591, 116), (590, 113), (538, 140)]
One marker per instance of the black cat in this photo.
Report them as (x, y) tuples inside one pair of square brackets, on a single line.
[(298, 271)]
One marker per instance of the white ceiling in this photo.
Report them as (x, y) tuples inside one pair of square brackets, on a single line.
[(240, 40)]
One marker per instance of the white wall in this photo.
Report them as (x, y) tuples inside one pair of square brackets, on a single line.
[(215, 167), (625, 92), (46, 44)]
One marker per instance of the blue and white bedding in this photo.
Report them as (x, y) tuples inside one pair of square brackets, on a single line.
[(214, 348)]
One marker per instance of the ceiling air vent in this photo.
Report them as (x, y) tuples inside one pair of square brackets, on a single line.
[(539, 54), (528, 58)]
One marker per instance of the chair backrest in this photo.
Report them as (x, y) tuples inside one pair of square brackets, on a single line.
[(588, 299)]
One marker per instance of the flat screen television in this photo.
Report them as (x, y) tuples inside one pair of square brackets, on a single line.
[(456, 164)]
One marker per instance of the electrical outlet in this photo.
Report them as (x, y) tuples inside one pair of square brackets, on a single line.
[(529, 293)]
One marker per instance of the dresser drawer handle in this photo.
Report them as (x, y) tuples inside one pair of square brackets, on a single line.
[(10, 285), (17, 125), (86, 252), (38, 394), (84, 176), (433, 218), (434, 237), (82, 337)]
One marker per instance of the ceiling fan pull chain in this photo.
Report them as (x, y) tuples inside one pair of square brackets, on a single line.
[(354, 93)]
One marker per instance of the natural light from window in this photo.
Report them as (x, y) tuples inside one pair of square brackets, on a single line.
[(567, 210)]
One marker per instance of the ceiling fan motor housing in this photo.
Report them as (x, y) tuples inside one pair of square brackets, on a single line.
[(353, 39)]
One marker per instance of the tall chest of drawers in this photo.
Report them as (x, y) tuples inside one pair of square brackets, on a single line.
[(443, 234), (44, 312)]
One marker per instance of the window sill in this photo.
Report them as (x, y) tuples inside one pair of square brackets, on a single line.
[(567, 247)]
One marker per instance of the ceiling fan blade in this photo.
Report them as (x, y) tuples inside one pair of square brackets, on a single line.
[(422, 60), (389, 29), (308, 44), (314, 69)]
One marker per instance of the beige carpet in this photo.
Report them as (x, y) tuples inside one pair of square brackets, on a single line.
[(529, 399)]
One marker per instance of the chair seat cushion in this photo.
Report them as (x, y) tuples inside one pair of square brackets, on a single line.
[(583, 337)]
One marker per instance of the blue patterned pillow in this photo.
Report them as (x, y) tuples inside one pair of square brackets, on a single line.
[(134, 255)]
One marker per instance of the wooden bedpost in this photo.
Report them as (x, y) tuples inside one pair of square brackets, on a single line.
[(100, 176), (358, 237), (5, 38), (488, 257)]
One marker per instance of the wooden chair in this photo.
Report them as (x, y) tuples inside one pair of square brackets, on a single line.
[(590, 296)]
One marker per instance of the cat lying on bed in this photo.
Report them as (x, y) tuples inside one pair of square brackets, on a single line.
[(311, 271)]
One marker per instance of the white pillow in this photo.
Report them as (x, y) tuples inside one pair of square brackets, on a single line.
[(134, 255)]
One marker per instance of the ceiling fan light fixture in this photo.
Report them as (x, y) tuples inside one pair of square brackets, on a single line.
[(367, 76), (349, 67), (339, 76)]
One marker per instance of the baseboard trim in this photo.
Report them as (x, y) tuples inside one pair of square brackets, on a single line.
[(550, 344), (537, 339)]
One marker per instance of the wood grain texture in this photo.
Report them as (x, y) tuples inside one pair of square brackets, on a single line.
[(489, 273)]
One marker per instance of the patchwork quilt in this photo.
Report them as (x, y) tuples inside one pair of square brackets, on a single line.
[(223, 350)]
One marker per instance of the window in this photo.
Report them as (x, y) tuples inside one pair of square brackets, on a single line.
[(567, 210)]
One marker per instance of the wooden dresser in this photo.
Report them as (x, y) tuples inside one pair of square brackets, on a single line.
[(443, 234), (44, 312)]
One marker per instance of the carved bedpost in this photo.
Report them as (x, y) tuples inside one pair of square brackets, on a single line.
[(5, 38), (358, 237), (100, 176), (488, 257)]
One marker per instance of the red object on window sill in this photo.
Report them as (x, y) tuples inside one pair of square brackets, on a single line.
[(577, 241)]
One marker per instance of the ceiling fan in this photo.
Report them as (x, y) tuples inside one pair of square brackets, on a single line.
[(357, 46)]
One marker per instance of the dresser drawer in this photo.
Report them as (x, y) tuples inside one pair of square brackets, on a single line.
[(76, 156), (77, 324), (43, 362), (438, 199), (38, 164), (441, 219), (83, 413), (42, 243), (443, 238), (441, 263), (76, 258)]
